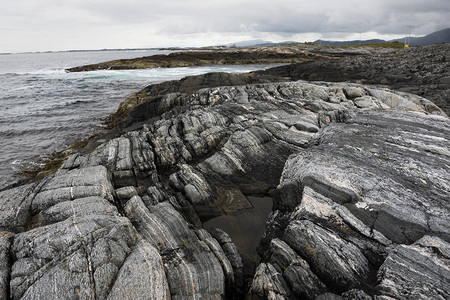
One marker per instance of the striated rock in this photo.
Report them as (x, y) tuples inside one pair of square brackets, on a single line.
[(382, 191), (419, 70), (71, 185), (269, 284), (79, 254), (329, 296), (125, 193), (14, 207), (358, 175), (139, 106), (191, 266), (356, 295), (5, 245), (233, 256), (341, 264), (296, 272), (141, 272), (350, 199), (417, 271)]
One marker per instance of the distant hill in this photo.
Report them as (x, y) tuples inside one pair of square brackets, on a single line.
[(441, 36), (248, 43)]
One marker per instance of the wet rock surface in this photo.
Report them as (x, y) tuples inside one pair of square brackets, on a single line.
[(359, 178)]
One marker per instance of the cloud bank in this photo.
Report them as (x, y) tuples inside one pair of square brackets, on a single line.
[(39, 25)]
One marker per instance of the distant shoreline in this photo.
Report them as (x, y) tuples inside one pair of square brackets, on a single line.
[(217, 56)]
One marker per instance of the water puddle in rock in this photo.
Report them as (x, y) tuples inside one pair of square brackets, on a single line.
[(246, 226)]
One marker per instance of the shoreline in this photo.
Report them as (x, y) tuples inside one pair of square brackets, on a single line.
[(284, 53), (199, 57), (316, 69), (357, 175)]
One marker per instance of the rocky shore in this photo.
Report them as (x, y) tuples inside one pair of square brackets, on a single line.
[(357, 174), (424, 71), (253, 55)]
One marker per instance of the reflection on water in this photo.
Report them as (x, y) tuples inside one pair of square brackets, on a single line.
[(245, 227)]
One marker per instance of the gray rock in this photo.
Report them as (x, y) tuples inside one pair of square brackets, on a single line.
[(329, 296), (322, 210), (197, 190), (82, 206), (417, 271), (14, 207), (233, 282), (370, 102), (356, 295), (304, 126), (123, 219), (420, 70), (296, 272), (191, 266), (233, 256), (72, 254), (268, 283), (5, 270), (70, 185), (376, 176), (126, 193), (342, 191), (316, 207), (141, 273), (274, 228), (338, 262)]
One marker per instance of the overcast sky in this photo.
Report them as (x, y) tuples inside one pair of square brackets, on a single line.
[(41, 25)]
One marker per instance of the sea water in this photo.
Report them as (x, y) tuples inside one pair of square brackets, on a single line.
[(44, 109)]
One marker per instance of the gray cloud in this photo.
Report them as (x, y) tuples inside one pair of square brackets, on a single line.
[(29, 25)]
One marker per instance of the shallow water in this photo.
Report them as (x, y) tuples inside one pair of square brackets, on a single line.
[(45, 109), (245, 227)]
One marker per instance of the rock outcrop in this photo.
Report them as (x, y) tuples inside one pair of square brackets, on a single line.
[(251, 55), (357, 201), (419, 70), (361, 204)]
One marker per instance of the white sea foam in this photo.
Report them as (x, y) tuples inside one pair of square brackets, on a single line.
[(46, 72)]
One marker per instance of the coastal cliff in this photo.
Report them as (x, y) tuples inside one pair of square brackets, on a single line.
[(357, 174)]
